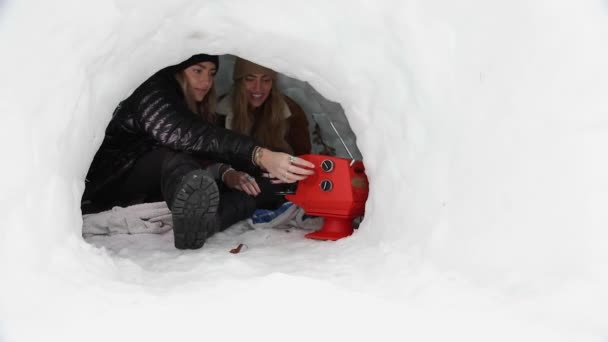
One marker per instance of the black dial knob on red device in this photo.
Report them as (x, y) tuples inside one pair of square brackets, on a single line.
[(327, 165), (326, 185)]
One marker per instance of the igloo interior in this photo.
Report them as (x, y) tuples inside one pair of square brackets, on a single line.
[(482, 125)]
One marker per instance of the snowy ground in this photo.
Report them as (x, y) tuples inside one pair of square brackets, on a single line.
[(323, 290)]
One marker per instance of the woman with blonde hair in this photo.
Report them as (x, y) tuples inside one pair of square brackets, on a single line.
[(257, 108)]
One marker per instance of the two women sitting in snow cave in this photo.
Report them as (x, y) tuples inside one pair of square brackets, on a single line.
[(212, 164)]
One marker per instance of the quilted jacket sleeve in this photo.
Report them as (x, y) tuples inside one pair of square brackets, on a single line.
[(163, 115)]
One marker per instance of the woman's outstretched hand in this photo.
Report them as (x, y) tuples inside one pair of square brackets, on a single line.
[(241, 181), (284, 167)]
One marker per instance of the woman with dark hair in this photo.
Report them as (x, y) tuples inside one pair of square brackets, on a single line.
[(257, 108), (156, 149)]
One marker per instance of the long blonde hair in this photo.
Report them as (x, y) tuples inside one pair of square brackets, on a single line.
[(205, 108), (267, 123)]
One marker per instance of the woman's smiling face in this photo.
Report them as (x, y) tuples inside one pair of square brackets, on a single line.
[(257, 87)]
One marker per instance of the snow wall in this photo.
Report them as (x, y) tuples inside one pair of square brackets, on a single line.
[(483, 126)]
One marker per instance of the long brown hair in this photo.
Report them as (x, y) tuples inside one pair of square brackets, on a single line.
[(206, 108), (267, 123)]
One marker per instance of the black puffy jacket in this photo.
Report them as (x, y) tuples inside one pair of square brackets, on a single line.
[(156, 115)]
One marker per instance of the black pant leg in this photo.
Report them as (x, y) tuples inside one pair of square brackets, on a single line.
[(268, 198), (143, 182)]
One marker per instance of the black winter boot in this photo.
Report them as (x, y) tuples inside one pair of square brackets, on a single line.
[(193, 197)]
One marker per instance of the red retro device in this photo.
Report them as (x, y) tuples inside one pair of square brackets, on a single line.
[(337, 192)]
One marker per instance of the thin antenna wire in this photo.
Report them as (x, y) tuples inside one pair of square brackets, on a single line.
[(343, 143)]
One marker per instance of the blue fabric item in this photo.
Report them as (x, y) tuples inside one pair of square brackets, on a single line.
[(265, 215)]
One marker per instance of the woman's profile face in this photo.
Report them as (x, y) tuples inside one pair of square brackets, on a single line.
[(199, 79), (257, 87)]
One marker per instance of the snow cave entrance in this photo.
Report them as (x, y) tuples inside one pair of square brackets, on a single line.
[(330, 134)]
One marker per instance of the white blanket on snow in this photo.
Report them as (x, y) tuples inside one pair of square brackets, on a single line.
[(152, 218), (155, 218)]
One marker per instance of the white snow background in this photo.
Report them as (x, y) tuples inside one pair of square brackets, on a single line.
[(483, 126)]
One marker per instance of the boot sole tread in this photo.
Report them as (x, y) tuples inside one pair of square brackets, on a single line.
[(194, 211)]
